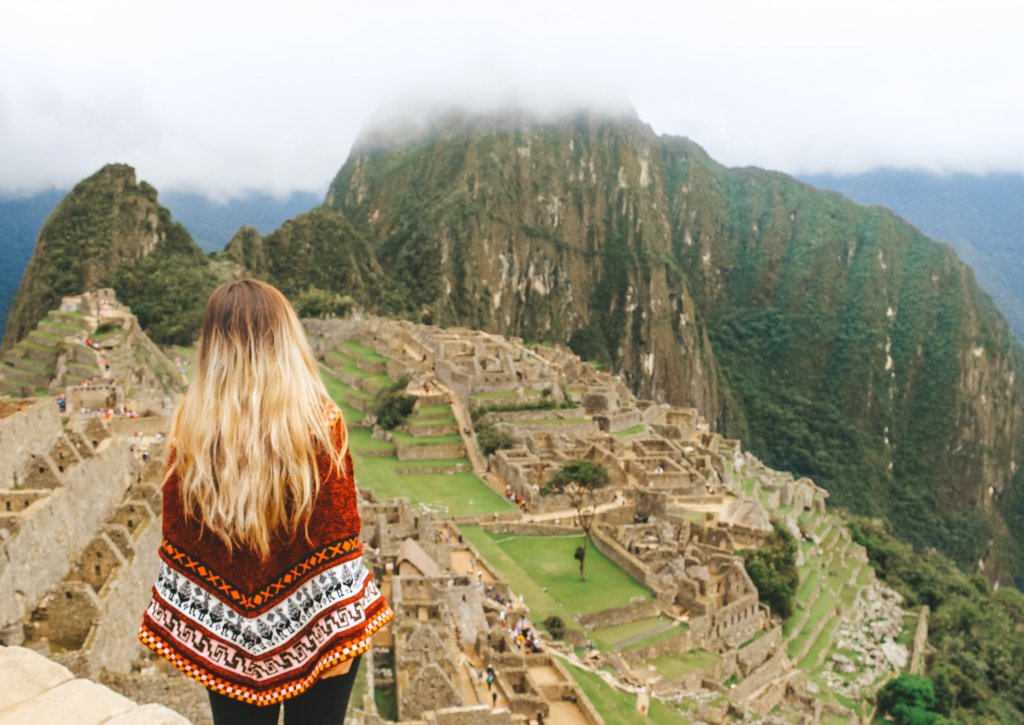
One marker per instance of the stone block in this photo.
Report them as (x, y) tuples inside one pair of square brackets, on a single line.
[(25, 675), (151, 714), (76, 701)]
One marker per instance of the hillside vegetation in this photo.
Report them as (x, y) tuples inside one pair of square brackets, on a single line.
[(981, 216), (838, 340), (110, 231)]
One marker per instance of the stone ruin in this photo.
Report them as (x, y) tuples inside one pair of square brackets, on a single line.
[(448, 628)]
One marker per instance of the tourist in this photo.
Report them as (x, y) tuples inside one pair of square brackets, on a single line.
[(259, 483)]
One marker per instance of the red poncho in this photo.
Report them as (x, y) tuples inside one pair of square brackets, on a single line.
[(258, 630)]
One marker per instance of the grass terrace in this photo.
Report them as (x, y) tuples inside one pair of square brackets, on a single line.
[(695, 660), (631, 431), (409, 440), (347, 363), (364, 351), (434, 412), (639, 633), (619, 707), (377, 468), (543, 571)]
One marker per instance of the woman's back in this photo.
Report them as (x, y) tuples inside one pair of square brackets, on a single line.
[(262, 586)]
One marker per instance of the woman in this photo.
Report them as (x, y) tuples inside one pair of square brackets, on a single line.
[(262, 594)]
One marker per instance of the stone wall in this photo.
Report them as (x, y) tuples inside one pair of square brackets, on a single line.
[(148, 425), (430, 452), (626, 561), (429, 430), (30, 432), (620, 615), (59, 527), (764, 674), (526, 528), (112, 643), (614, 422), (669, 647), (751, 656)]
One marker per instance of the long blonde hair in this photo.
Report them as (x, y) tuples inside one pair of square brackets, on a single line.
[(250, 428)]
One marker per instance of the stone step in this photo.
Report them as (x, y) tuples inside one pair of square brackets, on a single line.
[(36, 691)]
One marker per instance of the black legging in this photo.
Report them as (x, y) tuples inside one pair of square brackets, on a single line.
[(325, 703)]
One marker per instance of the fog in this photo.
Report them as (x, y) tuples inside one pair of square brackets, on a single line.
[(227, 97)]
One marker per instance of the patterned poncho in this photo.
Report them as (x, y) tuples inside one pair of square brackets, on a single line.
[(262, 630)]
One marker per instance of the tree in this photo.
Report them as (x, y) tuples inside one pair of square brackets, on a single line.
[(392, 405), (491, 439), (910, 699), (580, 481), (772, 569)]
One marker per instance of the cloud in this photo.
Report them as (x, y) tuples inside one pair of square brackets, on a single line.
[(230, 96)]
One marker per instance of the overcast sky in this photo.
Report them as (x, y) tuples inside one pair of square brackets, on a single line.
[(223, 96)]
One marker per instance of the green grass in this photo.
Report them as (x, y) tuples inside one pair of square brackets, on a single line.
[(612, 637), (434, 462), (411, 440), (414, 421), (824, 640), (807, 586), (429, 411), (341, 361), (619, 707), (532, 564), (460, 494), (364, 351), (631, 431), (387, 703), (822, 608), (693, 661)]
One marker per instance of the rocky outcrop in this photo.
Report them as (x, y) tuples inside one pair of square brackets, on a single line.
[(554, 232), (110, 231)]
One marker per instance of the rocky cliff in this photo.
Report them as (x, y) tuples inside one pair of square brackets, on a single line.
[(550, 232), (836, 339), (110, 231)]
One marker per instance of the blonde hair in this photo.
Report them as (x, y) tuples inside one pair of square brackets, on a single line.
[(250, 428)]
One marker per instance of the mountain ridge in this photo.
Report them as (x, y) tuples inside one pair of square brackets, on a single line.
[(839, 341), (842, 342)]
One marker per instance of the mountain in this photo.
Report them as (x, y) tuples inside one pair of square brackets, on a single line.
[(838, 341), (548, 232), (316, 250), (981, 216), (110, 231), (211, 224)]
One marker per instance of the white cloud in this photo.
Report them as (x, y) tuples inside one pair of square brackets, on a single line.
[(229, 96)]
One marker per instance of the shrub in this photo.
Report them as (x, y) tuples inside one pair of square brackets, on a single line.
[(392, 405)]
